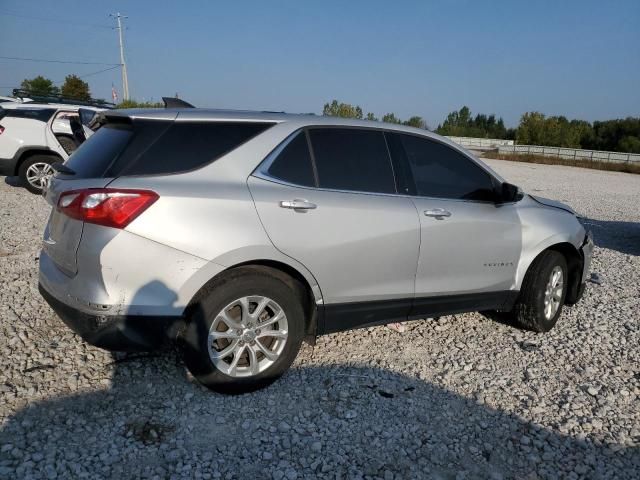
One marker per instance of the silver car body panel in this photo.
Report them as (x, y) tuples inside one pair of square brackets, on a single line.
[(354, 247), (476, 249), (360, 247)]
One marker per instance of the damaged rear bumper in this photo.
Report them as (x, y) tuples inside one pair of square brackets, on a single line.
[(117, 333)]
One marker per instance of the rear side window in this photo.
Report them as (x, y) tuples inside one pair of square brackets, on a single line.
[(352, 159), (293, 165), (442, 172), (41, 114), (93, 157), (187, 146)]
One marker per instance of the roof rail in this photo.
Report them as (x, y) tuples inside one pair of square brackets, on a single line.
[(51, 98), (174, 102)]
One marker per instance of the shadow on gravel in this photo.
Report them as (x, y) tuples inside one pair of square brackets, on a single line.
[(13, 181), (623, 237), (330, 421)]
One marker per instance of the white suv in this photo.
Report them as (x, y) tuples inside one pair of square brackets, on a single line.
[(33, 136)]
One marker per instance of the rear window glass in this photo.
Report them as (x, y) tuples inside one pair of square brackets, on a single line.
[(157, 147), (41, 114), (293, 165), (187, 146), (93, 157)]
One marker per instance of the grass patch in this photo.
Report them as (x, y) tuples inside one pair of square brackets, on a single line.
[(593, 164)]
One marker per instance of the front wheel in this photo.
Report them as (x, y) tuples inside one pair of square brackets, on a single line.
[(245, 331), (542, 293)]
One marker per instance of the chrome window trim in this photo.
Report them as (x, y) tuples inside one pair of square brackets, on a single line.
[(263, 176), (261, 170)]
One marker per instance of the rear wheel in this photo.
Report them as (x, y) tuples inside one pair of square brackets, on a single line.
[(35, 172), (245, 332), (542, 293)]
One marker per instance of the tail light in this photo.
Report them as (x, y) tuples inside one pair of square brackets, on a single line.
[(1, 129), (110, 207)]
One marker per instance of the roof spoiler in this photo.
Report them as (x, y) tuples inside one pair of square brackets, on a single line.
[(172, 102)]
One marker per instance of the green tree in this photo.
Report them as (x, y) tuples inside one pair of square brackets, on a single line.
[(370, 116), (416, 122), (75, 87), (136, 104), (629, 144), (39, 86), (390, 118), (344, 110), (536, 129), (462, 124), (531, 129)]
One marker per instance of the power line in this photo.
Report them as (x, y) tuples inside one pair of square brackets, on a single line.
[(56, 61), (92, 73), (43, 19), (99, 71)]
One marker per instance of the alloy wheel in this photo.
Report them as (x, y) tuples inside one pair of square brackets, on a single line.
[(553, 293), (247, 336), (38, 174)]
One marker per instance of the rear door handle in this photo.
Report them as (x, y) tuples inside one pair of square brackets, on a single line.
[(438, 213), (298, 204)]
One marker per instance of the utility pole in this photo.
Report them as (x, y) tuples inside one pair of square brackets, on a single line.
[(123, 64)]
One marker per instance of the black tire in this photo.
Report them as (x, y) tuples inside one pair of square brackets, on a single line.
[(529, 309), (22, 171), (68, 143), (240, 282)]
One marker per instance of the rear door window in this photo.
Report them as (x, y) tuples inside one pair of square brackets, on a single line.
[(352, 159), (442, 172), (293, 165)]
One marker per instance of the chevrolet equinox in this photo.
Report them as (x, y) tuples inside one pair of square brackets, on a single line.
[(240, 234)]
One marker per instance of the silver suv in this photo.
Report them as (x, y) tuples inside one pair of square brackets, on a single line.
[(240, 234)]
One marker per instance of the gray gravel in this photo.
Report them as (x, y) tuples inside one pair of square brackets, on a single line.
[(459, 398)]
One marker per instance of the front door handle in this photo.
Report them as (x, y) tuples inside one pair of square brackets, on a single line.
[(438, 213), (298, 204)]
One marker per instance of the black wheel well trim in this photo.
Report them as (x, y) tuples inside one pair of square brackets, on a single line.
[(26, 152), (575, 264), (310, 307)]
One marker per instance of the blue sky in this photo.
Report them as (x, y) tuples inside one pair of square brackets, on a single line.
[(576, 58)]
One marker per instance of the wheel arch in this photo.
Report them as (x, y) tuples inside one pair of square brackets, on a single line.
[(575, 263), (25, 153), (310, 292)]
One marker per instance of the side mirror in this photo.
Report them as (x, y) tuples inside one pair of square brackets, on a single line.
[(509, 193)]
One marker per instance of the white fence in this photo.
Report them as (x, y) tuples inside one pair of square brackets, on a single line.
[(570, 153), (480, 143)]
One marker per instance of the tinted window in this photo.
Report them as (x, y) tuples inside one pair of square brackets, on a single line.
[(442, 172), (93, 157), (186, 146), (146, 133), (352, 159), (293, 165), (42, 114)]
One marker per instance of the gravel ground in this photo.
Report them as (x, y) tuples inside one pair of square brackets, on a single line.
[(460, 397)]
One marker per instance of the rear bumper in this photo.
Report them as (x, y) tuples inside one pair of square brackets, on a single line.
[(117, 333)]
